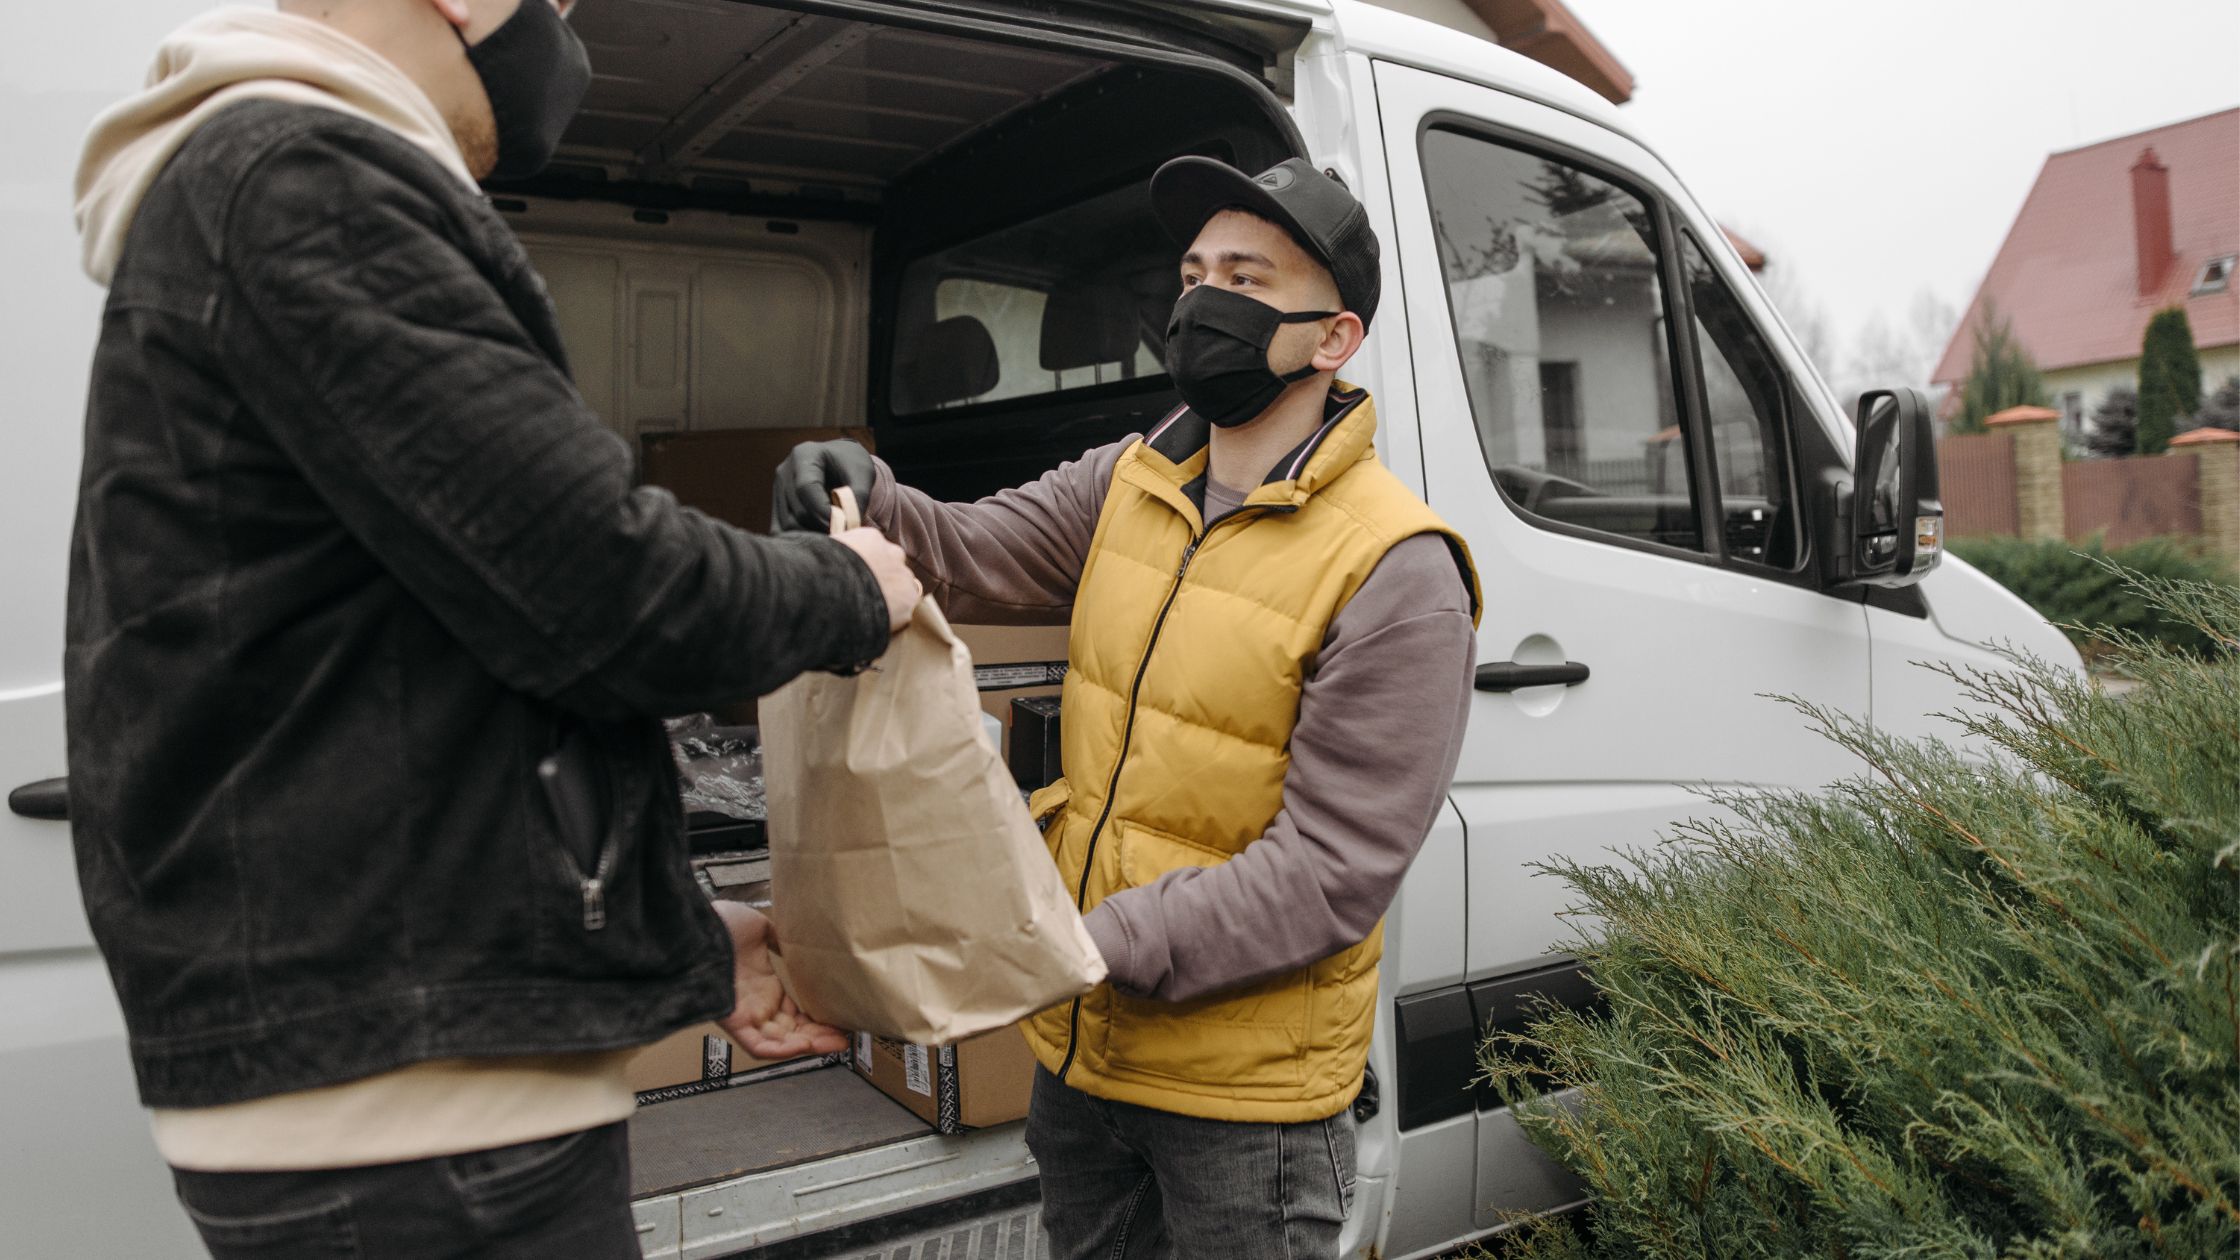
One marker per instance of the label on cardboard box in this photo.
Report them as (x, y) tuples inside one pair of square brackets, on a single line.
[(982, 1081), (688, 1061)]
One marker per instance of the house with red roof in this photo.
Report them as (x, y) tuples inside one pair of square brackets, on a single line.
[(2111, 233)]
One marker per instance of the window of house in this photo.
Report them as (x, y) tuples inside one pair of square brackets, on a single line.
[(1553, 282), (2216, 275)]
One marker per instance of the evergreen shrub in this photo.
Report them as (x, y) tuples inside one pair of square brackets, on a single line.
[(2221, 409), (2114, 429), (2169, 381), (2001, 373), (1955, 1007), (2074, 586)]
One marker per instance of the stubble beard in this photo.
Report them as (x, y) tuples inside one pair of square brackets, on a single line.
[(477, 135)]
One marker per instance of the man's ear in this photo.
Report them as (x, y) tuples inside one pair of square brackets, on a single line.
[(1339, 344), (454, 12)]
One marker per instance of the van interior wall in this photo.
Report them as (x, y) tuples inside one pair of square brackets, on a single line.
[(725, 230), (695, 321)]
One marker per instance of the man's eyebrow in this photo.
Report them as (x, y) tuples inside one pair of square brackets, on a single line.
[(1233, 257)]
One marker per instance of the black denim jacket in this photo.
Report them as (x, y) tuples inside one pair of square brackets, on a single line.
[(352, 556)]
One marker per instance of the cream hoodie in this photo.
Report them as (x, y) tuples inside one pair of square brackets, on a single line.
[(221, 58)]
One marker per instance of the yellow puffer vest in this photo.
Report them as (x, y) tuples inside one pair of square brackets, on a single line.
[(1189, 649)]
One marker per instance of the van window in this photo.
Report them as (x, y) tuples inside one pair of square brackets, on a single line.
[(1552, 279), (1074, 299), (1744, 400)]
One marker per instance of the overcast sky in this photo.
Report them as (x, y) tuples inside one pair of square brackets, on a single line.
[(1874, 150)]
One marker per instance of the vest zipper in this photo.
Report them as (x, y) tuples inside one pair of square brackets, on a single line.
[(1112, 786)]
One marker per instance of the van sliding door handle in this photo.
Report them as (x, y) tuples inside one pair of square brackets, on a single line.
[(1509, 676), (48, 799)]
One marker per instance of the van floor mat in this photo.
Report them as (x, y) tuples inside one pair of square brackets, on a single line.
[(768, 1124)]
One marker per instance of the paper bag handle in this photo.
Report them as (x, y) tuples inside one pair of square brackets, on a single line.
[(845, 513)]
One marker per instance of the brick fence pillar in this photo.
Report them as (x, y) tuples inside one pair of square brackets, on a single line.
[(2037, 468), (2218, 453)]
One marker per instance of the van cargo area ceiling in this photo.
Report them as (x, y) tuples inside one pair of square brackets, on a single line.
[(718, 96)]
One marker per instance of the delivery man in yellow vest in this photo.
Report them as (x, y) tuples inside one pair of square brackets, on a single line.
[(1271, 651)]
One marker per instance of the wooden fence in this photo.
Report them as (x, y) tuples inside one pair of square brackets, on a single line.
[(2014, 481), (2126, 500), (1975, 475)]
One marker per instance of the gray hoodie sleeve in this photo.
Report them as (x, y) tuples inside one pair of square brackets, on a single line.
[(1013, 558), (1380, 728)]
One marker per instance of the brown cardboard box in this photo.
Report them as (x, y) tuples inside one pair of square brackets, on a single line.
[(980, 1081), (727, 472), (689, 1061), (1006, 645), (700, 1058)]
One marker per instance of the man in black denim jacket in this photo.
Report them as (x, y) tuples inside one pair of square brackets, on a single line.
[(353, 558)]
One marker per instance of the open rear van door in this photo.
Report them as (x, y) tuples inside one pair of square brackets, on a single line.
[(1607, 419)]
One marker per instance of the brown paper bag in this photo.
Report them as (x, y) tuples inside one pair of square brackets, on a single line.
[(911, 894)]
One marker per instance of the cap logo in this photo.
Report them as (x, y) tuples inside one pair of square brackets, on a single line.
[(1276, 180)]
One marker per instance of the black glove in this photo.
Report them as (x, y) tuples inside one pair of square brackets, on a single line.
[(801, 499)]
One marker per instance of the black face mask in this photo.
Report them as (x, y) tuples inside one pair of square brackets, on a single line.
[(535, 72), (1217, 353)]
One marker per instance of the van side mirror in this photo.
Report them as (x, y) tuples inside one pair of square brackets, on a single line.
[(1889, 523)]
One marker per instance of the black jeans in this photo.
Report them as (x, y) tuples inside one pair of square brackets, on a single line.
[(567, 1196), (1131, 1183)]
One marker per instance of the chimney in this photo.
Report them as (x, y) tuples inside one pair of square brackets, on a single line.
[(2150, 219)]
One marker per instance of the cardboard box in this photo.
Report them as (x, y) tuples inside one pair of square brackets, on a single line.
[(689, 1061), (727, 473), (993, 647), (980, 1081)]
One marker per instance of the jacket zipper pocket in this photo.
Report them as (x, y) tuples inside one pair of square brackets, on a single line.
[(595, 892), (576, 815)]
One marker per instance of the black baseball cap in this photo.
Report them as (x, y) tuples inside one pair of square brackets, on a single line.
[(1310, 204)]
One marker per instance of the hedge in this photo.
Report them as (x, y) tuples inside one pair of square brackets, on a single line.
[(1948, 1009), (2076, 586)]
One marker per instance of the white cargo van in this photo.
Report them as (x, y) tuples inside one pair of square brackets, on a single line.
[(928, 218)]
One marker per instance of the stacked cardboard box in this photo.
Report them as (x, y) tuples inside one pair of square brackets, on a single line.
[(689, 1061), (980, 1081)]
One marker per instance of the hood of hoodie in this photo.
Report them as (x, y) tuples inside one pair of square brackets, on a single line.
[(221, 58)]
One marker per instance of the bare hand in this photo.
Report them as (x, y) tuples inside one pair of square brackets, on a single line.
[(896, 582), (765, 1023)]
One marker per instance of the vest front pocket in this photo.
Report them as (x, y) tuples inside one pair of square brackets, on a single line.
[(1254, 1037), (1047, 808)]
